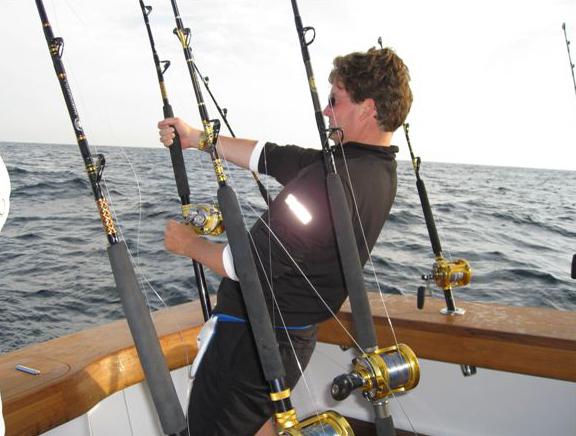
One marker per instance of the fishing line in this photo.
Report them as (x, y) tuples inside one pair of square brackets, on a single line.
[(304, 378), (367, 365), (127, 411), (257, 216), (89, 423), (394, 396), (271, 234), (357, 212), (142, 279), (142, 276), (366, 246), (75, 13), (302, 273), (137, 312), (210, 131)]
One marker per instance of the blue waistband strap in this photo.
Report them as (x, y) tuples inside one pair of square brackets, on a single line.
[(223, 317)]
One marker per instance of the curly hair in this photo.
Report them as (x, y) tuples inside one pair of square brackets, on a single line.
[(379, 74)]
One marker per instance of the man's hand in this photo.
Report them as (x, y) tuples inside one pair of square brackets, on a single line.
[(189, 136), (179, 238)]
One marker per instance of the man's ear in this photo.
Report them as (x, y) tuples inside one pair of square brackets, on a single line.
[(369, 108)]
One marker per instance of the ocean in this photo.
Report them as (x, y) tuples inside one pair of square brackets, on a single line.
[(516, 227)]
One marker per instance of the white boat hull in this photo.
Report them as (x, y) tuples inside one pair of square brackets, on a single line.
[(445, 402)]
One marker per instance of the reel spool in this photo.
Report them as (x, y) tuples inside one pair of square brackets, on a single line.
[(204, 219), (379, 374), (329, 423)]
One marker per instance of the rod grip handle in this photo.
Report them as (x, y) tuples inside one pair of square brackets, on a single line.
[(146, 340), (178, 161)]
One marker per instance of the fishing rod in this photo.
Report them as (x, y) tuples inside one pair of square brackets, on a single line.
[(373, 369), (204, 219), (250, 286), (224, 115), (447, 275), (139, 320), (573, 273), (569, 59)]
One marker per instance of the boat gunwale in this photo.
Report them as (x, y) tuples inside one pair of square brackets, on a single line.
[(491, 336)]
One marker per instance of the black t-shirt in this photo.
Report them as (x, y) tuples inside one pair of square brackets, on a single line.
[(312, 246)]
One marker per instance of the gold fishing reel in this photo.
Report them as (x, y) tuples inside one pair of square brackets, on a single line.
[(204, 219), (329, 423), (379, 374), (451, 274), (446, 275), (209, 135)]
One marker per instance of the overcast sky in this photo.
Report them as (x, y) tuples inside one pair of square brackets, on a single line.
[(491, 79)]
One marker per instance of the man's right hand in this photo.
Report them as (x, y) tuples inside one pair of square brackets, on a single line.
[(189, 136)]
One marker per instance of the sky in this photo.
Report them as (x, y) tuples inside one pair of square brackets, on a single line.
[(491, 79)]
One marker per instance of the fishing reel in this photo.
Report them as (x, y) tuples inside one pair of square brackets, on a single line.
[(446, 275), (379, 374), (209, 135), (329, 423), (204, 219)]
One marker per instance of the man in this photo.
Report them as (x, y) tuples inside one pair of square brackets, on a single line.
[(369, 99)]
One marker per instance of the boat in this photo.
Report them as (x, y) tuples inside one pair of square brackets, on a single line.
[(91, 382)]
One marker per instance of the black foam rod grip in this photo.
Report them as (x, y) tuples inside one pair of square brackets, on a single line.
[(429, 218), (350, 262), (140, 322), (178, 162), (250, 285), (574, 266)]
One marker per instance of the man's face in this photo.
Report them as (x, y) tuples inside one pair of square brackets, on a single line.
[(343, 113)]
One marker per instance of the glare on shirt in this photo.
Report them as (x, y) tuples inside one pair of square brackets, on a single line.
[(298, 209)]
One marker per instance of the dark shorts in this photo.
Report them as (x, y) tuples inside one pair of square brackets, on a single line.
[(230, 395)]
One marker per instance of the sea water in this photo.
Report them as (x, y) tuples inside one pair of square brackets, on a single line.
[(516, 227)]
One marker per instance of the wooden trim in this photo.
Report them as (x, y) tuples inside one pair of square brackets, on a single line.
[(80, 370)]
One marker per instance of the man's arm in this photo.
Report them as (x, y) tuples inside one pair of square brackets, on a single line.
[(235, 150), (181, 239)]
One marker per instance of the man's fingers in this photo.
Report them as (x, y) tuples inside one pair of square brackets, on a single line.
[(167, 136)]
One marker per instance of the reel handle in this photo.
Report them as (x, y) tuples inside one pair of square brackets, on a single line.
[(420, 297), (343, 385)]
